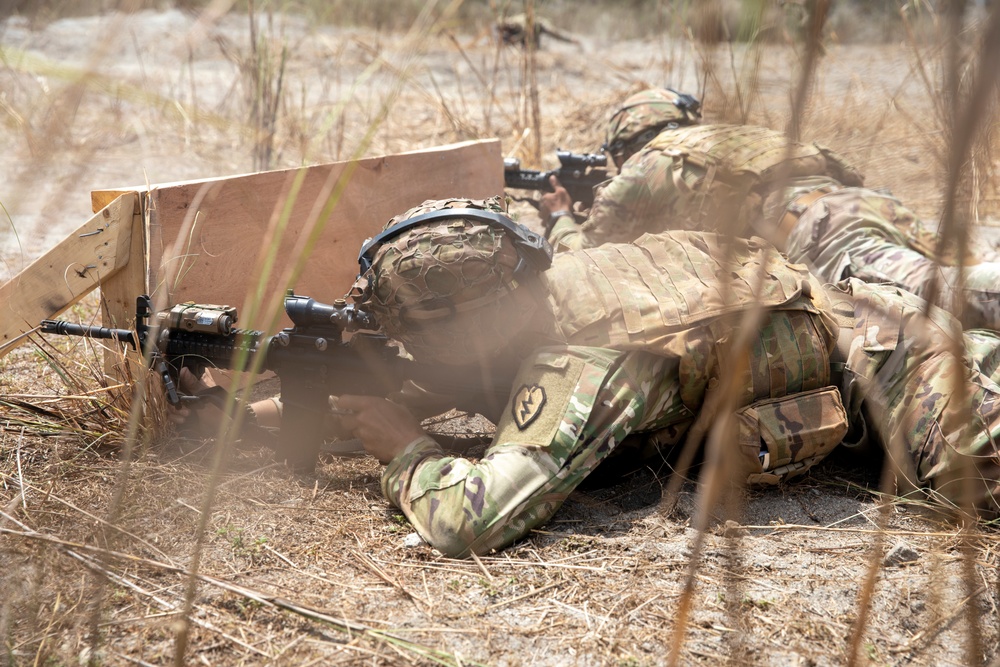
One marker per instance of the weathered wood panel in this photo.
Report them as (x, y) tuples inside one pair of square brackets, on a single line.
[(89, 257), (207, 238)]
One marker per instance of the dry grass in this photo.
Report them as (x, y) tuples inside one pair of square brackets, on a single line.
[(194, 552)]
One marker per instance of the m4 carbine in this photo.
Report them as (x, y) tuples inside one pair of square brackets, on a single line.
[(579, 173), (328, 350)]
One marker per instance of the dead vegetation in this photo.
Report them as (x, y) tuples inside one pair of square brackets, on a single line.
[(162, 556)]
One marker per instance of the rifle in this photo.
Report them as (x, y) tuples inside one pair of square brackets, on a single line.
[(328, 350), (577, 172)]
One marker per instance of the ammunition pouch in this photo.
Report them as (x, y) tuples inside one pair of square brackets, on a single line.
[(781, 438)]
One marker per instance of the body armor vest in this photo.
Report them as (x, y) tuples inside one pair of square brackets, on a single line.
[(736, 165), (686, 295)]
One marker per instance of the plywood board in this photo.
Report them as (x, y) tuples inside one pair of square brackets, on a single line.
[(92, 254), (119, 292), (205, 237)]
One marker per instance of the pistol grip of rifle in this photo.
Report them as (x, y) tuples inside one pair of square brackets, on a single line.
[(303, 414)]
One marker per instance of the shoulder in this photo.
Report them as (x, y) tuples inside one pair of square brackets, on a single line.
[(553, 395)]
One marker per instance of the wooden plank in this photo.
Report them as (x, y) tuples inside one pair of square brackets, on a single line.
[(220, 223), (92, 254), (101, 198), (119, 291)]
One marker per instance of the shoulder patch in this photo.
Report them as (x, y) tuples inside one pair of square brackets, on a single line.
[(527, 404)]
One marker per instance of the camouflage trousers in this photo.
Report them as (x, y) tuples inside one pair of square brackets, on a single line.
[(937, 415), (855, 232)]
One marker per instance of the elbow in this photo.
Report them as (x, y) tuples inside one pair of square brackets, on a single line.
[(452, 546), (452, 539), (457, 533), (469, 537)]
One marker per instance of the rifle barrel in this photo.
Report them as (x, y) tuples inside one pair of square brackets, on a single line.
[(64, 328)]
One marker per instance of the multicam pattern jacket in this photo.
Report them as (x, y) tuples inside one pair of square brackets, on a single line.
[(699, 177), (936, 414), (855, 232), (646, 331)]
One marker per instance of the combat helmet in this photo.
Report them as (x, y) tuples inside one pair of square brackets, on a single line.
[(440, 278), (643, 115)]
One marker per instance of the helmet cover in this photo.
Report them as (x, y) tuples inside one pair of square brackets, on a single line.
[(645, 114), (439, 287)]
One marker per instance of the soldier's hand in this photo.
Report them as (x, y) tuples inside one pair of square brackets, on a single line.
[(384, 427), (202, 419), (205, 417), (554, 202)]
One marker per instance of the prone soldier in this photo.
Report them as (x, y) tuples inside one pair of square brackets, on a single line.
[(602, 350), (676, 173), (804, 198), (635, 338), (622, 339)]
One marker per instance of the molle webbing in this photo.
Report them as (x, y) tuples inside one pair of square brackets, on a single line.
[(740, 151), (642, 295)]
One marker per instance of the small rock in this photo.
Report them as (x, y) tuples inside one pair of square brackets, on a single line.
[(413, 540), (899, 554)]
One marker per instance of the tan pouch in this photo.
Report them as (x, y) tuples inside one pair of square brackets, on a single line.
[(781, 438)]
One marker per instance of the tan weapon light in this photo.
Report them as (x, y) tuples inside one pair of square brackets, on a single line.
[(200, 317)]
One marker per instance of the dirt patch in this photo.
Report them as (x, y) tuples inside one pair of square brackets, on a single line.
[(319, 569)]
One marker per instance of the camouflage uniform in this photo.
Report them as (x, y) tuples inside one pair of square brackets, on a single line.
[(629, 338), (841, 232), (698, 177), (900, 378)]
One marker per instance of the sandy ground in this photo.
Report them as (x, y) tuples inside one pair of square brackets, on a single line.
[(601, 583)]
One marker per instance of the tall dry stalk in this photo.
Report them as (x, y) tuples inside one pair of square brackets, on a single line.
[(955, 222), (961, 121), (720, 482), (264, 74), (529, 78)]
